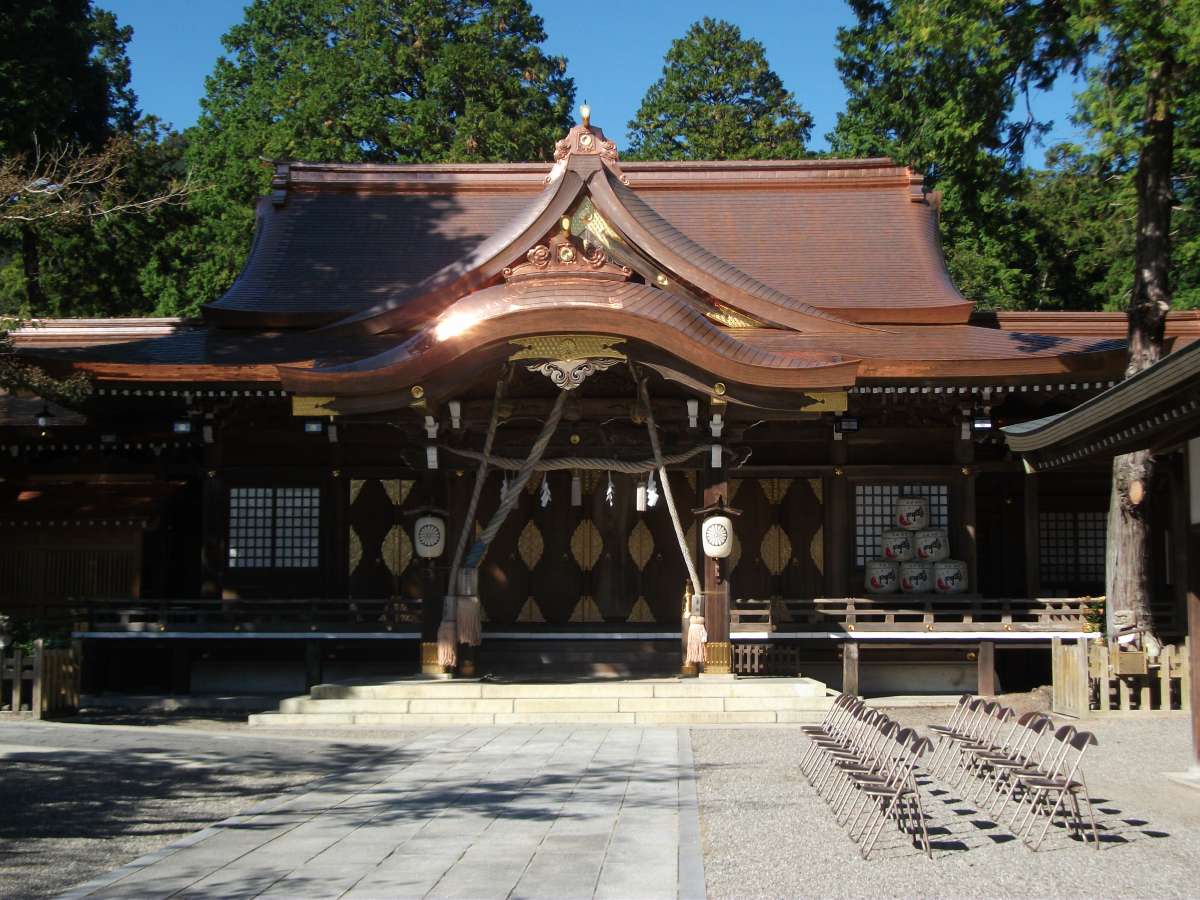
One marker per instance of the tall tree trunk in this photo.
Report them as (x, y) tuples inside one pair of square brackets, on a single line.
[(31, 262), (1128, 564)]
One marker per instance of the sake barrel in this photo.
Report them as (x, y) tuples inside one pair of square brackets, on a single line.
[(931, 545), (897, 544), (916, 577), (882, 576), (950, 576), (911, 513)]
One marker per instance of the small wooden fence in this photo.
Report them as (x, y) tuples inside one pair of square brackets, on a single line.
[(1094, 677), (124, 615), (44, 683), (765, 659), (912, 612)]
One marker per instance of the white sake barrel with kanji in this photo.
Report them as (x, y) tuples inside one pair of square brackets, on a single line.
[(916, 577), (896, 544), (950, 576), (911, 513), (881, 576), (931, 545)]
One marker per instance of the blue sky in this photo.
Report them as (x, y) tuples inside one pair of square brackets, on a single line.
[(614, 51)]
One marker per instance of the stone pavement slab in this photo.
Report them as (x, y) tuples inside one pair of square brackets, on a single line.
[(522, 812)]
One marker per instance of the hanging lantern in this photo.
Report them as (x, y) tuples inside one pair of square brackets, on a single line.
[(718, 536), (429, 537), (716, 529)]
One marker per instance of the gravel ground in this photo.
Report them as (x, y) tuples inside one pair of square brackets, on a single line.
[(767, 834), (76, 801)]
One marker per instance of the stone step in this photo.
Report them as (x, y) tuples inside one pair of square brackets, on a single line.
[(413, 703), (419, 720), (590, 689)]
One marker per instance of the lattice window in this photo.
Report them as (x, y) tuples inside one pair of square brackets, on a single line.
[(873, 508), (1071, 548), (274, 528)]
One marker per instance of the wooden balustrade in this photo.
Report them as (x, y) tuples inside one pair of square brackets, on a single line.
[(1095, 677), (247, 615), (912, 613), (43, 683)]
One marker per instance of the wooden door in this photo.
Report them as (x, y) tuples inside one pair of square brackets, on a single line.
[(779, 539)]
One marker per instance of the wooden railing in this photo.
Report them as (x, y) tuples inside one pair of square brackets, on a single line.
[(912, 613), (1095, 677), (398, 614), (43, 683)]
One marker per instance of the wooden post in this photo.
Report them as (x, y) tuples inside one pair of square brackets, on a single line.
[(717, 659), (837, 525), (1033, 572), (1193, 618), (967, 530), (39, 678), (454, 496), (850, 667), (986, 663), (312, 664)]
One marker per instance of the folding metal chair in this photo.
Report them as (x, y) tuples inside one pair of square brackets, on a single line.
[(893, 796), (1067, 786), (838, 734), (1016, 751), (987, 738), (1044, 765), (963, 728)]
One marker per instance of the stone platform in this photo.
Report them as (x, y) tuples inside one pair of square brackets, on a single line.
[(421, 702)]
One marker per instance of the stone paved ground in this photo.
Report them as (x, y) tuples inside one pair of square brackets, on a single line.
[(520, 812), (766, 834), (76, 801)]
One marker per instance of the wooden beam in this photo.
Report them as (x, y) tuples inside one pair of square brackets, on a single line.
[(850, 667), (986, 662), (1033, 572), (716, 591), (1193, 618), (837, 520)]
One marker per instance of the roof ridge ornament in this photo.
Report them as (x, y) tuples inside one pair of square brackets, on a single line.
[(586, 139), (565, 254)]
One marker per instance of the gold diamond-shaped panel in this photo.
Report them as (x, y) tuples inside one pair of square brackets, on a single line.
[(816, 550), (774, 489), (355, 550), (641, 544), (641, 612), (530, 545), (531, 612), (586, 610), (356, 486), (398, 490), (397, 550), (776, 550), (735, 552), (818, 488), (586, 544)]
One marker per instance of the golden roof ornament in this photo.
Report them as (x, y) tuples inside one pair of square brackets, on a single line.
[(586, 139)]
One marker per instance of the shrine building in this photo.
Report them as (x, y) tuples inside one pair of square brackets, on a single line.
[(587, 418)]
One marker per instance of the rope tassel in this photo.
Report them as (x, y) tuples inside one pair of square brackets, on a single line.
[(447, 645), (697, 640)]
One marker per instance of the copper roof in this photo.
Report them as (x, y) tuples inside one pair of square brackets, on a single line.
[(850, 237)]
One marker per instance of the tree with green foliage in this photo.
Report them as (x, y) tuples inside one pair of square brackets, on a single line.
[(935, 83), (718, 99), (399, 81)]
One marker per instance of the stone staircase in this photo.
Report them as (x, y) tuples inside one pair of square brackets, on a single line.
[(418, 702)]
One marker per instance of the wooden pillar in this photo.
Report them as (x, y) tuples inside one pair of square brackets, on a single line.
[(837, 524), (1193, 619), (986, 662), (435, 582), (312, 664), (850, 667), (718, 655), (1033, 553), (966, 530)]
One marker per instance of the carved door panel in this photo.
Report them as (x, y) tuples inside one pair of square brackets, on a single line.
[(614, 580), (380, 552), (663, 573), (779, 546), (558, 580), (504, 574)]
